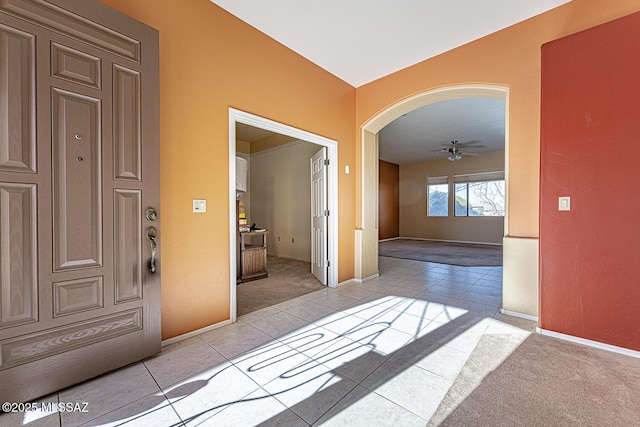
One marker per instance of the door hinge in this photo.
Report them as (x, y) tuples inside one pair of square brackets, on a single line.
[(328, 263), (326, 212), (326, 162)]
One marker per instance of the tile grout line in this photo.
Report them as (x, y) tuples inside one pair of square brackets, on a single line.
[(163, 393)]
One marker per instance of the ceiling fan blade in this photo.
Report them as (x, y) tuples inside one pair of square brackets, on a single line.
[(468, 153), (467, 143)]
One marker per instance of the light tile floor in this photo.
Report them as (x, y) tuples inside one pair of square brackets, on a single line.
[(383, 352)]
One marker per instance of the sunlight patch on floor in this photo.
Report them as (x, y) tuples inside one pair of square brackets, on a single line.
[(314, 367)]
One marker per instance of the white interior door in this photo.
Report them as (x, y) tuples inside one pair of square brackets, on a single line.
[(319, 214)]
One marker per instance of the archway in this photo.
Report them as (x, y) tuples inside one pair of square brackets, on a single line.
[(366, 245)]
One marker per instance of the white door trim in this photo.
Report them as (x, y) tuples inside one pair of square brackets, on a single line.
[(237, 116)]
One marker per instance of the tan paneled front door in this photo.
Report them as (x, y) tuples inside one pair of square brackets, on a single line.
[(79, 166)]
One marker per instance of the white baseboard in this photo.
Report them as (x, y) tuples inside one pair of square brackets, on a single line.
[(194, 333), (346, 282), (520, 315), (390, 239), (354, 280), (374, 276), (590, 343)]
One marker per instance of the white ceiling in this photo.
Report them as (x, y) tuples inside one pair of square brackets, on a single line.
[(477, 123), (363, 40)]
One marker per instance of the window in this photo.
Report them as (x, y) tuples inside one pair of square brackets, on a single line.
[(480, 194), (438, 196)]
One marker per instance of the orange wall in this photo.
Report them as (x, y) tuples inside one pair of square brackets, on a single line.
[(388, 200), (510, 57), (210, 61), (589, 269)]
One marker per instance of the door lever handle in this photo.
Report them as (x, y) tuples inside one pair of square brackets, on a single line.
[(151, 235)]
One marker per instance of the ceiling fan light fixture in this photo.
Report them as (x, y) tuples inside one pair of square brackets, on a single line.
[(454, 154)]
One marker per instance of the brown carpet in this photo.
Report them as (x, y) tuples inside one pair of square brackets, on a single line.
[(287, 279), (464, 254), (543, 382)]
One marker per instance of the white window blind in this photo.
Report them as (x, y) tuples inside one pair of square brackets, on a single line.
[(436, 180), (479, 177)]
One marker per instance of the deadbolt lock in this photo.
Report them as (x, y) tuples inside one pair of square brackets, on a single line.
[(151, 214)]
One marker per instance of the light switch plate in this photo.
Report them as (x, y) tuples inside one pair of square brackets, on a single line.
[(564, 203), (199, 205)]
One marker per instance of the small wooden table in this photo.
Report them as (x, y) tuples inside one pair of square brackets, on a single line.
[(253, 258)]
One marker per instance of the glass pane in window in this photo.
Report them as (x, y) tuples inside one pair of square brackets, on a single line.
[(438, 200), (486, 198), (461, 199)]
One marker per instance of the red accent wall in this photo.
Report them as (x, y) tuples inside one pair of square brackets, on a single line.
[(388, 200), (590, 151)]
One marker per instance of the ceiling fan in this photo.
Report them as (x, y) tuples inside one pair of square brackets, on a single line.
[(455, 151)]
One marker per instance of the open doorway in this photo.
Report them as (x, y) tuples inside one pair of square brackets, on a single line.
[(451, 156), (277, 198), (367, 235), (273, 200)]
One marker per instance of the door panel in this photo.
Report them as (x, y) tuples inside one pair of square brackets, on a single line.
[(40, 345), (17, 74), (61, 18), (18, 276), (77, 181), (73, 296), (126, 116), (76, 66), (127, 245), (76, 295)]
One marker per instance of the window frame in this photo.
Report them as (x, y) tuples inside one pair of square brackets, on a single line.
[(438, 181), (467, 180)]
